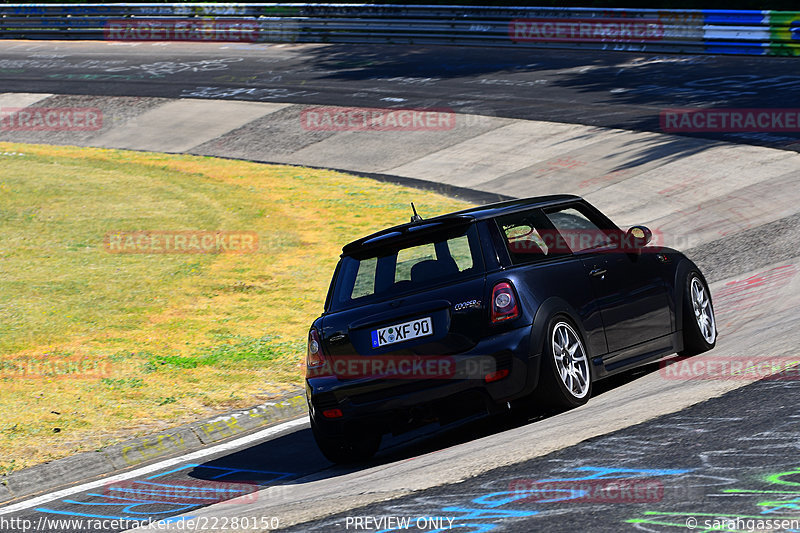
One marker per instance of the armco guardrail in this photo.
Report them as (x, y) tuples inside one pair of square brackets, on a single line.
[(652, 30)]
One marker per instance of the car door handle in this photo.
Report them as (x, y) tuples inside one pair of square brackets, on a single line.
[(598, 272)]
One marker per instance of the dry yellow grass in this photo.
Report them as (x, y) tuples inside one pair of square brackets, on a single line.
[(176, 337)]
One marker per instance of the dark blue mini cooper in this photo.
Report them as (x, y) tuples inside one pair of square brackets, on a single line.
[(520, 302)]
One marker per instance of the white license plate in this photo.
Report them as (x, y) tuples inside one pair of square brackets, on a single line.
[(402, 332)]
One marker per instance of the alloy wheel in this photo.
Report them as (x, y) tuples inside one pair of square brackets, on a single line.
[(703, 312), (572, 364)]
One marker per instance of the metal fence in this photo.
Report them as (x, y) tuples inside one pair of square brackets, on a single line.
[(651, 30)]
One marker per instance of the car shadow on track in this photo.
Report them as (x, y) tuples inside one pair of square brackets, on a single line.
[(292, 456)]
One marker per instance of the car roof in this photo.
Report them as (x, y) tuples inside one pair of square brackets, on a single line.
[(403, 232)]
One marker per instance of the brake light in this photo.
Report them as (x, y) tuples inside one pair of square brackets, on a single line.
[(504, 302), (316, 365)]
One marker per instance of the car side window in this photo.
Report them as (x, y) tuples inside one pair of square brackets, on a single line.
[(577, 230), (525, 236)]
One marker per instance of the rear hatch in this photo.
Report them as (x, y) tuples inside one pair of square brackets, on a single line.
[(408, 295)]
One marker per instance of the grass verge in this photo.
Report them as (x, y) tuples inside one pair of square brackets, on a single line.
[(97, 347)]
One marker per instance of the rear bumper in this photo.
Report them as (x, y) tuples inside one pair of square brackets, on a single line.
[(395, 405)]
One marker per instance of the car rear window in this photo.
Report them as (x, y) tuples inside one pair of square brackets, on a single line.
[(434, 259)]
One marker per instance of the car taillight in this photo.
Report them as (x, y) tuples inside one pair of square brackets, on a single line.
[(504, 302), (316, 365)]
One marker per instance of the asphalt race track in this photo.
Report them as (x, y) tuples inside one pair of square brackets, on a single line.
[(613, 89), (653, 449), (728, 458)]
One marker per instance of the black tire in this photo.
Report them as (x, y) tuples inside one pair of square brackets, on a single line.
[(553, 389), (696, 338), (355, 447)]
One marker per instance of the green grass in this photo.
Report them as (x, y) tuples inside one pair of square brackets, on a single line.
[(172, 337)]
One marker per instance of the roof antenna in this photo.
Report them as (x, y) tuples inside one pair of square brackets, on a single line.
[(416, 217)]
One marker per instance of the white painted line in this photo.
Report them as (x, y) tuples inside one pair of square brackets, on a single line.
[(199, 454)]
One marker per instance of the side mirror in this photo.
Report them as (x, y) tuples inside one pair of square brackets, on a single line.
[(638, 236)]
